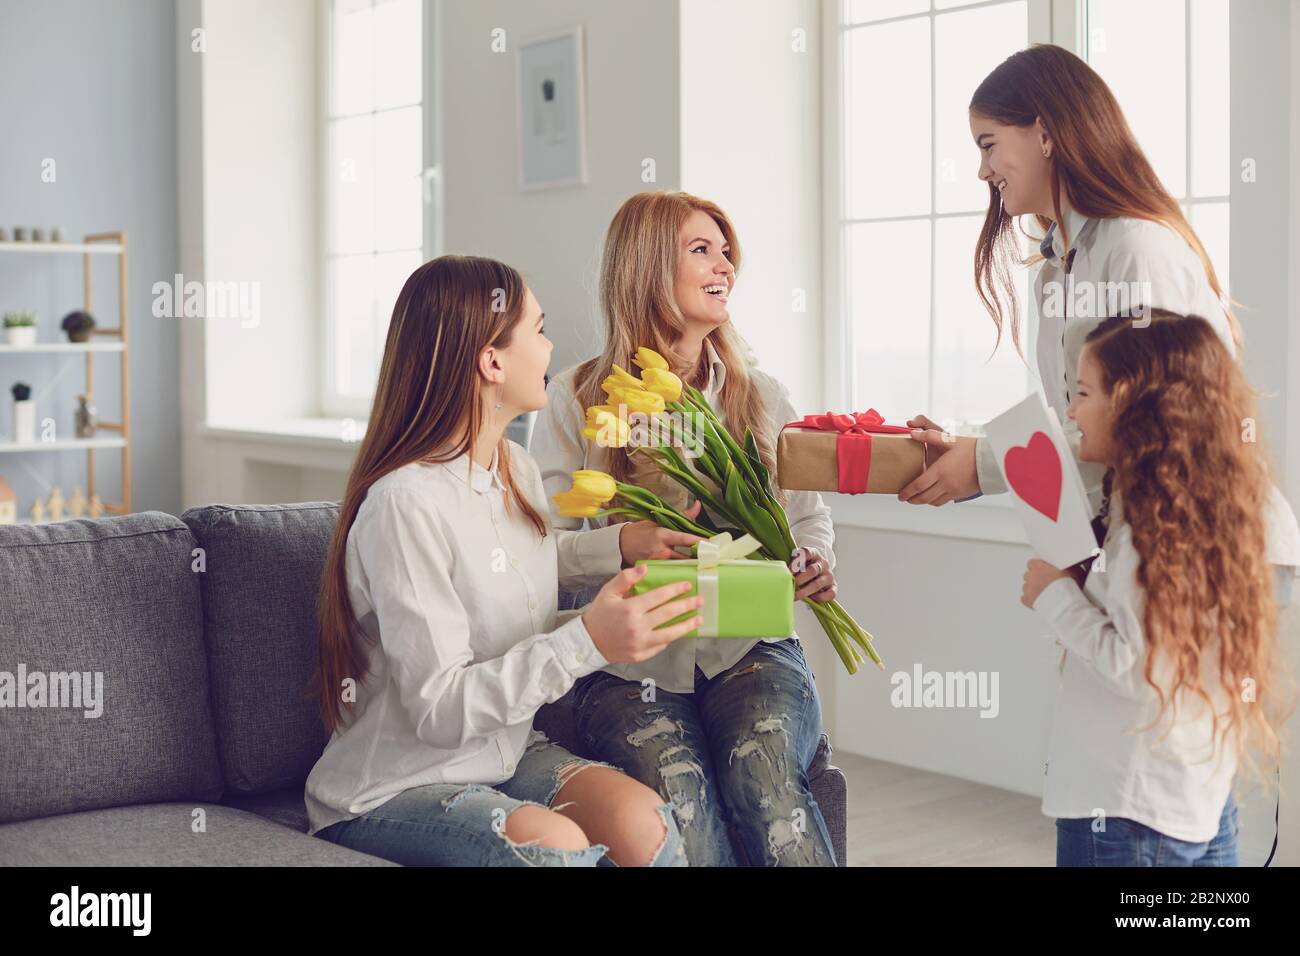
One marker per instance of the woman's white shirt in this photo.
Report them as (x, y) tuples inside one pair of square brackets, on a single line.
[(1100, 759), (1117, 264), (460, 600), (560, 450)]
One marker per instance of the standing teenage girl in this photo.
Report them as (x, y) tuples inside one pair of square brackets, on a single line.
[(1054, 145)]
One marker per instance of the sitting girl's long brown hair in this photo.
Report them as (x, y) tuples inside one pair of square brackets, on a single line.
[(1194, 489), (428, 407)]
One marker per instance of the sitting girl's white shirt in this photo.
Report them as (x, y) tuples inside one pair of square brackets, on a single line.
[(461, 600), (1099, 758)]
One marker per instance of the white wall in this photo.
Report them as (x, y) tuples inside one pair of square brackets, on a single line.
[(751, 142), (248, 147), (260, 158), (554, 236)]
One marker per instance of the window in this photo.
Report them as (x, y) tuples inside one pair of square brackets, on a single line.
[(908, 208), (1167, 63), (374, 211)]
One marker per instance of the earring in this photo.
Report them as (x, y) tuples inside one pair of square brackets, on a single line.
[(1046, 152)]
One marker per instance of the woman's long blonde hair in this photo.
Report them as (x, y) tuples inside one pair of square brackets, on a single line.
[(637, 274), (1096, 160), (1195, 495), (428, 407)]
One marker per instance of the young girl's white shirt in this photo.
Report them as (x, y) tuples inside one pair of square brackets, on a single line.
[(1121, 258), (560, 450), (1100, 759), (460, 598)]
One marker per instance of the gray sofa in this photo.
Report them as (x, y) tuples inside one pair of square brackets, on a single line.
[(202, 629)]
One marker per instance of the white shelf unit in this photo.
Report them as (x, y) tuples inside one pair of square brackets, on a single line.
[(114, 340)]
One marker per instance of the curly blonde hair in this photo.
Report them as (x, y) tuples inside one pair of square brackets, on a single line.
[(1195, 492)]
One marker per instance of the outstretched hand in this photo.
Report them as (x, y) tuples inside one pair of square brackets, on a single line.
[(951, 473)]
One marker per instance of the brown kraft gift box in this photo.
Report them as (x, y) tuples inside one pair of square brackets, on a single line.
[(807, 460)]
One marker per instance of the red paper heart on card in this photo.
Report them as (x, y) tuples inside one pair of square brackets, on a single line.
[(1034, 473)]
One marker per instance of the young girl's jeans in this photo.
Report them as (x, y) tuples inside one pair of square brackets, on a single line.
[(736, 751), (1129, 843), (449, 824)]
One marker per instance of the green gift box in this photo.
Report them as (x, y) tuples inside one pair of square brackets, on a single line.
[(753, 598)]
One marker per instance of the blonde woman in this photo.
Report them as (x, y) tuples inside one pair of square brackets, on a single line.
[(724, 729), (438, 610)]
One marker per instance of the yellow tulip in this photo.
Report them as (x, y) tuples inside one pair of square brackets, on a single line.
[(648, 359), (595, 485), (621, 378), (663, 383), (606, 428), (575, 506), (639, 400)]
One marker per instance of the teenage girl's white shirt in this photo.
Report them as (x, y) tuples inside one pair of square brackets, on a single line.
[(460, 600), (560, 450), (1124, 257), (1100, 759)]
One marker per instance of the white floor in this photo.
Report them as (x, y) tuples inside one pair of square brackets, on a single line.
[(898, 816)]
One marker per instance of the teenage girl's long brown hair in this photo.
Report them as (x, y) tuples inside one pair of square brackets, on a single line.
[(1095, 159), (637, 272), (1194, 489), (428, 407)]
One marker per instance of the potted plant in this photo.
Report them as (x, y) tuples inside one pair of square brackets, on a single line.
[(20, 328), (24, 414), (78, 326)]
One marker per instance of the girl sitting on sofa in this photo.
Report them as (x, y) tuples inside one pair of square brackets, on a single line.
[(438, 631)]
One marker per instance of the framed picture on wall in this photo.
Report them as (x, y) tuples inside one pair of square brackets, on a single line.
[(552, 111)]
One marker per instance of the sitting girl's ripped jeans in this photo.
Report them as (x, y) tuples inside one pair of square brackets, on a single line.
[(734, 753), (449, 824)]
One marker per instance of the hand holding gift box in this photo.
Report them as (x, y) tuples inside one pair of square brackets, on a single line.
[(850, 454), (743, 597), (1044, 480)]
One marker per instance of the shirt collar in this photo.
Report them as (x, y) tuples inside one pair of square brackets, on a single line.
[(478, 477), (717, 369), (1052, 247)]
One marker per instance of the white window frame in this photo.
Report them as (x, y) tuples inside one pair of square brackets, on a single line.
[(988, 518), (332, 402)]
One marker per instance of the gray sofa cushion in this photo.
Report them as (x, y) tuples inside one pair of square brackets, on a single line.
[(162, 834), (260, 589), (114, 597)]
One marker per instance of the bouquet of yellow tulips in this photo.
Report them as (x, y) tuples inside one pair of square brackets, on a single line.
[(729, 479)]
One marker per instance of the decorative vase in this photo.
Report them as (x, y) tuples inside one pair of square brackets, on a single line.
[(79, 335), (21, 335), (25, 422)]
